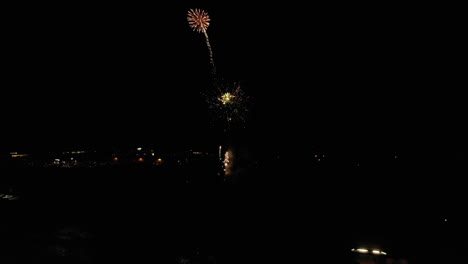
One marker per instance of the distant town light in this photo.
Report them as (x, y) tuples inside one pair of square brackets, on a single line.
[(139, 149), (140, 159), (365, 251), (19, 155), (360, 250)]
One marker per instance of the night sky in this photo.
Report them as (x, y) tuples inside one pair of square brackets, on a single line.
[(336, 75), (360, 83)]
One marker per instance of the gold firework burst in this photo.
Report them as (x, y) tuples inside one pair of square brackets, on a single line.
[(198, 19), (226, 98), (228, 103)]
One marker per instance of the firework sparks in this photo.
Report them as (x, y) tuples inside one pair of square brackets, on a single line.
[(198, 20), (226, 98), (229, 104)]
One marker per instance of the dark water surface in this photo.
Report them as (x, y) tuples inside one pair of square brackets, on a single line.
[(96, 215)]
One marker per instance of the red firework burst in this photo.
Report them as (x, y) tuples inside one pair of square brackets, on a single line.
[(198, 20)]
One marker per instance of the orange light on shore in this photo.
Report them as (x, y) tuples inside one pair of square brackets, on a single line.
[(141, 160), (116, 159), (159, 160)]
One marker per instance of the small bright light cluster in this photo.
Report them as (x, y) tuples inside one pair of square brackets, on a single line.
[(226, 98), (198, 20), (227, 163), (366, 251)]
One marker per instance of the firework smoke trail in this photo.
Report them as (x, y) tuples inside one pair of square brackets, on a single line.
[(199, 20)]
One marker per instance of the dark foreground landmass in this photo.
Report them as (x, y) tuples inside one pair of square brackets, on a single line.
[(270, 211)]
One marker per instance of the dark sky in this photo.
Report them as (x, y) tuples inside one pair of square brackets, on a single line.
[(317, 75)]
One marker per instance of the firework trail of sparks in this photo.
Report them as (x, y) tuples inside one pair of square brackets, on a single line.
[(199, 20)]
